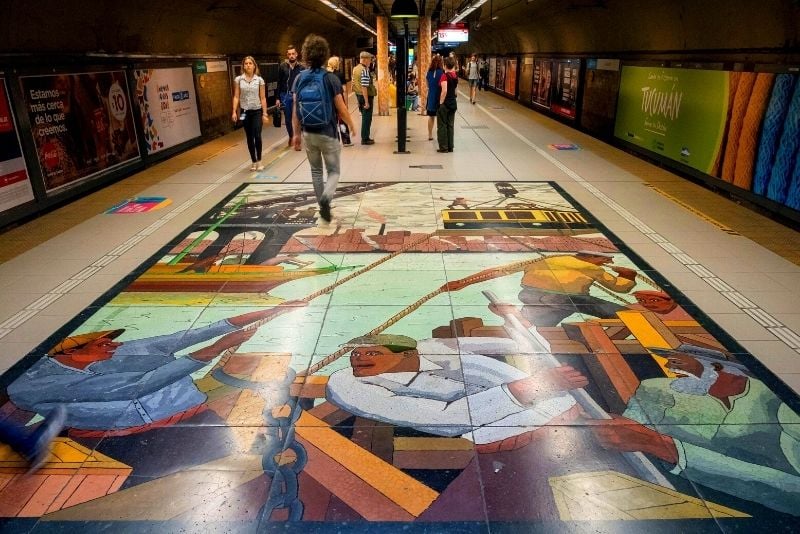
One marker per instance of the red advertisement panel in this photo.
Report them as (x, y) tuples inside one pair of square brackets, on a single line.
[(566, 89), (82, 124), (15, 186)]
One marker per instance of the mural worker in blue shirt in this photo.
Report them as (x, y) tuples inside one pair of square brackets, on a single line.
[(114, 390)]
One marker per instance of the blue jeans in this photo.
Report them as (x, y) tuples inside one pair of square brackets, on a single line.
[(321, 148), (287, 101)]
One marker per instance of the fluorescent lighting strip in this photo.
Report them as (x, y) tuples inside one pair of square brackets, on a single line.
[(344, 12), (472, 7)]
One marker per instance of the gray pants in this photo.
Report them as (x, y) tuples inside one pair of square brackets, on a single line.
[(321, 148), (543, 308)]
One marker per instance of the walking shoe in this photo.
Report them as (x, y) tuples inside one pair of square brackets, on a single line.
[(325, 209), (347, 144), (368, 142), (260, 166), (443, 150), (253, 167), (44, 435)]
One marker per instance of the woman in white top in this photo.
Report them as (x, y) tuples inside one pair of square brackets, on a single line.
[(249, 92)]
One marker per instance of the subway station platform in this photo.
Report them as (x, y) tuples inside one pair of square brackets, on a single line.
[(506, 338)]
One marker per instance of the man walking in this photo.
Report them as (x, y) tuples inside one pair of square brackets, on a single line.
[(364, 88), (287, 72), (318, 99)]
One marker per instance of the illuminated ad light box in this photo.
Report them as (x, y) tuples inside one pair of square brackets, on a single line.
[(453, 33)]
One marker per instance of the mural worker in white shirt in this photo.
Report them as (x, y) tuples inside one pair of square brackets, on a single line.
[(452, 387)]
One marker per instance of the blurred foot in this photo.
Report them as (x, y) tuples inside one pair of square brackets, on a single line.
[(253, 167), (325, 209), (44, 435), (368, 142), (260, 166)]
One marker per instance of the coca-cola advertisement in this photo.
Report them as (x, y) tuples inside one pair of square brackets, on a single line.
[(82, 124), (15, 184)]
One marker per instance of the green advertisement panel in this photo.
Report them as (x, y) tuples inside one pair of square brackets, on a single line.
[(679, 113)]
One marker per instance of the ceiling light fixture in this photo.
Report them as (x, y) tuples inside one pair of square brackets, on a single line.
[(404, 9), (467, 11), (342, 10)]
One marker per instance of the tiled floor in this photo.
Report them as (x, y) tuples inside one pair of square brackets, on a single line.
[(273, 372)]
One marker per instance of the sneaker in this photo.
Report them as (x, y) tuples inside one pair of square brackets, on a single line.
[(347, 144), (442, 150), (260, 166), (253, 167), (368, 142), (325, 209), (44, 435)]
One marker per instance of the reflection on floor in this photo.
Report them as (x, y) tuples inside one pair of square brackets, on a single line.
[(457, 363)]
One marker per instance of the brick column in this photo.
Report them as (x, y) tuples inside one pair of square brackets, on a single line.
[(383, 65), (423, 59)]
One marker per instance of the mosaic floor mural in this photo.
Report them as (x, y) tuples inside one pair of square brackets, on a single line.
[(475, 354)]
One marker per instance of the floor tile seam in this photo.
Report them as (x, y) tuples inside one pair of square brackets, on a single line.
[(758, 314), (33, 309)]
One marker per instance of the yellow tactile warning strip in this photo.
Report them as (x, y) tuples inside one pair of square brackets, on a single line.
[(697, 212)]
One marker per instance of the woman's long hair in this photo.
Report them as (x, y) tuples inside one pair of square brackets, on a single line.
[(436, 63), (251, 58)]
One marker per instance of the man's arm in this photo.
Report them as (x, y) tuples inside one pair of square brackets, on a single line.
[(377, 402), (344, 113), (297, 140), (365, 81)]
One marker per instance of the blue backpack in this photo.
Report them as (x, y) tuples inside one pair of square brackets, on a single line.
[(314, 100)]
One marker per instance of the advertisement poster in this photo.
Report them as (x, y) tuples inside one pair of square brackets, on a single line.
[(500, 76), (15, 185), (493, 72), (679, 113), (542, 81), (566, 92), (511, 76), (82, 124), (167, 106), (740, 127)]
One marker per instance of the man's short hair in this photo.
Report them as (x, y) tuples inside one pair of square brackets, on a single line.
[(449, 62), (291, 47), (364, 54), (315, 51)]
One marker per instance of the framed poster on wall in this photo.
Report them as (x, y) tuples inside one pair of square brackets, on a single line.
[(15, 184), (493, 72), (511, 76), (565, 93), (167, 106), (82, 125), (693, 116), (542, 82)]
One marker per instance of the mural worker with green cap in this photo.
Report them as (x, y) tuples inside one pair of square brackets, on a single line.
[(451, 387)]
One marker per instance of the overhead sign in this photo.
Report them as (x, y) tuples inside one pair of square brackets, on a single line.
[(453, 33)]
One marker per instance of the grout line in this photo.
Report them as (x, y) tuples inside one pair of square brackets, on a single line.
[(781, 331)]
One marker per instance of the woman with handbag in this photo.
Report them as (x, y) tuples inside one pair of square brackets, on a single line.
[(249, 91)]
